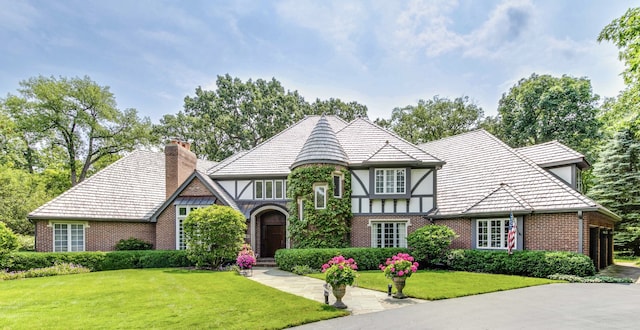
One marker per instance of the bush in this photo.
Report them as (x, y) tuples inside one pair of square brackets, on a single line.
[(367, 258), (26, 243), (525, 263), (8, 240), (303, 270), (214, 234), (430, 244), (57, 269), (96, 261), (589, 279), (132, 244)]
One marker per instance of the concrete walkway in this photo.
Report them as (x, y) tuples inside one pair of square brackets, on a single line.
[(358, 300), (623, 269)]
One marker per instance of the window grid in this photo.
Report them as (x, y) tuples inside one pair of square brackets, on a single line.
[(68, 237), (390, 181), (183, 212), (270, 189), (492, 233), (389, 234)]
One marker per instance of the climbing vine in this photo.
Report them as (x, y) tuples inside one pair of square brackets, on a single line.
[(319, 228)]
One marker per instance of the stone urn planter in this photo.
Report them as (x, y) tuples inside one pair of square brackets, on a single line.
[(399, 283), (339, 291)]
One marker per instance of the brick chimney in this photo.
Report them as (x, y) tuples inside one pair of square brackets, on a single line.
[(179, 163)]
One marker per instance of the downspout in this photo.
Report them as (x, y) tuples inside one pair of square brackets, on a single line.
[(580, 232)]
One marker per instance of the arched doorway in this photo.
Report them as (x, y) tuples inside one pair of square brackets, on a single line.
[(273, 232)]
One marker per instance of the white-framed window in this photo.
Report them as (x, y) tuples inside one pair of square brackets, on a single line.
[(320, 195), (390, 181), (68, 237), (300, 209), (181, 213), (338, 179), (492, 233), (389, 233), (270, 189)]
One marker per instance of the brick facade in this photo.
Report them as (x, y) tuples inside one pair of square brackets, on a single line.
[(361, 231), (99, 235), (557, 232), (462, 228)]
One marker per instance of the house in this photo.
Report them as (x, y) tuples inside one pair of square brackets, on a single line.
[(471, 182)]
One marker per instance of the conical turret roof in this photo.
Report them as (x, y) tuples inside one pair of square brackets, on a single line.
[(322, 147)]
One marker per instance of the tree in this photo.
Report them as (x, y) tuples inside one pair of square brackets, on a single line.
[(542, 108), (8, 240), (433, 119), (239, 115), (617, 183), (79, 116), (214, 234), (623, 32)]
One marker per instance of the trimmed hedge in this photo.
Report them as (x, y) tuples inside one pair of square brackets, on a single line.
[(525, 263), (366, 258), (96, 261)]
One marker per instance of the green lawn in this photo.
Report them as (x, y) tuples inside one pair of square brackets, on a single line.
[(152, 298), (434, 285), (635, 260)]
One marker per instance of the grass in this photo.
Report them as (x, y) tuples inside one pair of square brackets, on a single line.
[(635, 260), (153, 298), (434, 285)]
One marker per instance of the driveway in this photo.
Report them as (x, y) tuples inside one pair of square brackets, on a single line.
[(555, 306)]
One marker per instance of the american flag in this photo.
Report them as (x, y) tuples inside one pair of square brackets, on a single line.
[(513, 232)]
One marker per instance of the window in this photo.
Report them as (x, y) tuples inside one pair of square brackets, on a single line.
[(389, 234), (68, 237), (270, 189), (390, 181), (259, 189), (182, 211), (300, 209), (320, 196), (492, 233), (337, 185)]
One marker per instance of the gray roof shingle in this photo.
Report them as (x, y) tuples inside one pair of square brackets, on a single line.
[(484, 175), (322, 146), (130, 189), (553, 153)]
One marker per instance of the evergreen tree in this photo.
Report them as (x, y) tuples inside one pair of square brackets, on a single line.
[(617, 184)]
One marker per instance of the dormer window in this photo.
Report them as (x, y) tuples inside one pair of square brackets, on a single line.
[(391, 181)]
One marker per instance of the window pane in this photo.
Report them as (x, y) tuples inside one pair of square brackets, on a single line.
[(337, 186), (389, 183), (268, 188), (182, 211), (483, 239), (60, 237), (400, 182), (320, 197), (279, 189), (77, 237), (258, 190), (496, 239), (379, 181), (182, 245)]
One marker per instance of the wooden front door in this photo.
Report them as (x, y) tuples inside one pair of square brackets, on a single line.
[(273, 225)]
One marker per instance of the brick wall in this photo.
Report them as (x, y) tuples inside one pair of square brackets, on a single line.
[(462, 228), (557, 232), (195, 188), (179, 164), (99, 235)]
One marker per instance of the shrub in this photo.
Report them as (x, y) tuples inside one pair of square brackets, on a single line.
[(368, 258), (214, 234), (303, 270), (132, 244), (525, 263), (589, 279), (96, 261), (8, 240), (431, 243), (57, 269), (340, 271), (400, 265), (26, 243)]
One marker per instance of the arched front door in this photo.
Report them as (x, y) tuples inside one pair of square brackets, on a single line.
[(273, 227)]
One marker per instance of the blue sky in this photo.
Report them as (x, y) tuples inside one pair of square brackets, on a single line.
[(383, 54)]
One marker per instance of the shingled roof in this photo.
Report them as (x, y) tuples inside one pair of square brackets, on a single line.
[(322, 146), (131, 189), (554, 153), (485, 176)]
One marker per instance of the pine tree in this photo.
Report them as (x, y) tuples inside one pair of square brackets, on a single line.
[(617, 185)]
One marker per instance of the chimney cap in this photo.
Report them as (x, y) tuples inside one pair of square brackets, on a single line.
[(183, 143)]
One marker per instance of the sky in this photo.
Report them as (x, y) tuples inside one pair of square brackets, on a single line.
[(383, 54)]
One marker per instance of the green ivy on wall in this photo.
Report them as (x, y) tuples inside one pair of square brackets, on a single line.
[(324, 228)]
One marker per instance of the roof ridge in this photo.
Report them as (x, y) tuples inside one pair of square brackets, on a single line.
[(387, 144), (246, 152), (392, 133), (544, 172), (98, 174)]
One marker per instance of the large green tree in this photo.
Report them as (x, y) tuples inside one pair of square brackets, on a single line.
[(433, 119), (617, 182), (542, 108), (75, 115), (238, 115), (624, 32)]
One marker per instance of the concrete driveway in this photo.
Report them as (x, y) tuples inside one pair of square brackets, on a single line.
[(555, 306)]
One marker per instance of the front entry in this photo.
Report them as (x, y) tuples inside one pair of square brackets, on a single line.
[(273, 230)]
